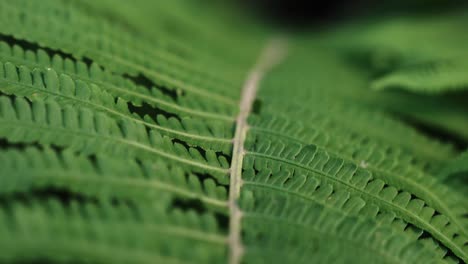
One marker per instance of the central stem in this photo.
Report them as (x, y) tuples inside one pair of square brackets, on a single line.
[(271, 55)]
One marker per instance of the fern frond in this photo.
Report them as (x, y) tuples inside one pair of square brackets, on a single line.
[(393, 171), (41, 85), (348, 78), (105, 177), (168, 132), (97, 45), (362, 121), (389, 44), (455, 174), (459, 165), (359, 182), (317, 232), (156, 50), (431, 78), (114, 84), (91, 133), (101, 232), (182, 29), (329, 134)]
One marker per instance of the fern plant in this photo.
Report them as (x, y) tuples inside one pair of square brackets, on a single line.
[(183, 132)]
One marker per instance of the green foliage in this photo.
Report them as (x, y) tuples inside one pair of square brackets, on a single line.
[(105, 232), (425, 55), (420, 54), (455, 173), (427, 78), (118, 120)]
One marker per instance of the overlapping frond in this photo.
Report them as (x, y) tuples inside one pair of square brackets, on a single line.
[(106, 45), (275, 224), (115, 84), (91, 133), (455, 173), (39, 84), (105, 177), (423, 56), (101, 232), (432, 78)]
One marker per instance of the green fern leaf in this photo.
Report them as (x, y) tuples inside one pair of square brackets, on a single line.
[(90, 133), (183, 132), (47, 84), (426, 78), (92, 227)]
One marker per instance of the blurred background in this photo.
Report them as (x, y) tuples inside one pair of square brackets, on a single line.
[(305, 14)]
